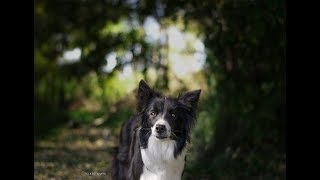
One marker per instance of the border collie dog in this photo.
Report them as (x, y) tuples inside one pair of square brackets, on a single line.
[(153, 142)]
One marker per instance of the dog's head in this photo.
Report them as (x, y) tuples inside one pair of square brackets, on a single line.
[(166, 117)]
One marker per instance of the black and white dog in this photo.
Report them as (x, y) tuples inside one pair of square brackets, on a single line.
[(153, 142)]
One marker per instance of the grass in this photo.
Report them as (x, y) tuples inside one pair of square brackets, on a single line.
[(64, 151), (74, 154)]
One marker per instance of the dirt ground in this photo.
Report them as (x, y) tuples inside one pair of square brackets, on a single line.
[(82, 153)]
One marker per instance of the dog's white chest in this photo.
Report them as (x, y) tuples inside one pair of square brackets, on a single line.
[(159, 161)]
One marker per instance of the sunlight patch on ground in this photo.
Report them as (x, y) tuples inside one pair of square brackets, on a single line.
[(74, 152)]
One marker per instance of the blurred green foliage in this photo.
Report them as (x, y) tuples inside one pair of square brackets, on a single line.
[(240, 132)]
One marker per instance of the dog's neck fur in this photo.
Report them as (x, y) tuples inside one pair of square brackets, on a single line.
[(159, 161)]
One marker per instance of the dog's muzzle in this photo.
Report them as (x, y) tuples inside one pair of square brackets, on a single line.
[(160, 129)]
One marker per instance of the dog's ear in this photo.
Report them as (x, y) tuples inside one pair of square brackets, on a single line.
[(190, 99), (144, 95)]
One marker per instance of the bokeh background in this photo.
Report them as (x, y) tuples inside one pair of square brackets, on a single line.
[(90, 55)]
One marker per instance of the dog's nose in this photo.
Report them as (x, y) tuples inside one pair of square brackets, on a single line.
[(160, 128)]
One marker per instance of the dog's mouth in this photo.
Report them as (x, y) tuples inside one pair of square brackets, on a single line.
[(161, 136)]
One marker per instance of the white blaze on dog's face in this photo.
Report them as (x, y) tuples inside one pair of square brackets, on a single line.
[(161, 129)]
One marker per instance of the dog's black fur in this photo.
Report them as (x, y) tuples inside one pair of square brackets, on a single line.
[(127, 163)]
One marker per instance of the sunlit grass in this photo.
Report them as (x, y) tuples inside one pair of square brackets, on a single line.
[(74, 151)]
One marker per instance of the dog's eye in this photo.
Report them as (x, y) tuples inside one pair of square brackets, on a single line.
[(173, 115), (152, 113)]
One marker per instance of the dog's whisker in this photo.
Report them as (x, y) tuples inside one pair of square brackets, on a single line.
[(173, 135), (175, 130)]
